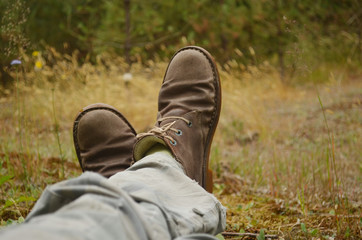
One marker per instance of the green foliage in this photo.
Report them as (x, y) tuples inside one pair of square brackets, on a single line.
[(303, 227), (261, 235), (220, 237), (4, 179), (12, 28), (295, 36), (312, 232)]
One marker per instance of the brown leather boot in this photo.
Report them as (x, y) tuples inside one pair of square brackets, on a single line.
[(103, 140), (189, 108)]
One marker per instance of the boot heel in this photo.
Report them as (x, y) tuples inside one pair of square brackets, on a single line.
[(209, 181)]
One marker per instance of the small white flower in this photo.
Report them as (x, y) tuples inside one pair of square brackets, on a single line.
[(127, 77), (15, 62)]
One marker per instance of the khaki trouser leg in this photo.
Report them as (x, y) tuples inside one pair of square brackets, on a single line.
[(153, 199)]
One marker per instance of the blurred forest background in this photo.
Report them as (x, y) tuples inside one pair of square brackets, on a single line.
[(295, 36)]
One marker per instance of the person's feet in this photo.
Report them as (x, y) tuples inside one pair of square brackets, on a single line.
[(103, 140), (189, 108)]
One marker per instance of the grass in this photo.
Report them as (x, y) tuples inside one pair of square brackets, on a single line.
[(287, 159)]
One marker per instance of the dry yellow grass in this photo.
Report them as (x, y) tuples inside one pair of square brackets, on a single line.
[(275, 165)]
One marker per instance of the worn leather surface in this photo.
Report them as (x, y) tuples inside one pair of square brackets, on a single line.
[(191, 89), (103, 140)]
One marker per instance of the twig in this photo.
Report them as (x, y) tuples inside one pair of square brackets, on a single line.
[(247, 235)]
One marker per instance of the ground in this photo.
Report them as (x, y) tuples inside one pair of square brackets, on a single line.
[(286, 156)]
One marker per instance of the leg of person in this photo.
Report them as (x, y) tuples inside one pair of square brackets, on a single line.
[(87, 207), (188, 112), (189, 109), (103, 140), (159, 180), (153, 199)]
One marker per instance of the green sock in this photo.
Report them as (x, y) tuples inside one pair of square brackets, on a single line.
[(158, 148)]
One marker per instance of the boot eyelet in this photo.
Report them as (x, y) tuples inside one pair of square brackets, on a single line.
[(179, 132), (189, 124), (173, 142)]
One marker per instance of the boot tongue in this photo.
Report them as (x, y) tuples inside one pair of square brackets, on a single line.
[(173, 113)]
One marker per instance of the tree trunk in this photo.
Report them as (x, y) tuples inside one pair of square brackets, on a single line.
[(280, 50), (127, 45)]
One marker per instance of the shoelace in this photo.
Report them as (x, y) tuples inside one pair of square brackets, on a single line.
[(162, 131)]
